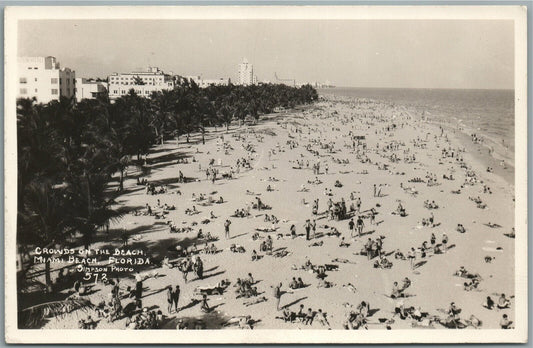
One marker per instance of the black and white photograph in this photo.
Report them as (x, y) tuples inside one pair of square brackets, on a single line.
[(267, 174)]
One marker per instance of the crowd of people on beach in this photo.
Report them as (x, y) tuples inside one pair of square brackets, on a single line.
[(343, 215)]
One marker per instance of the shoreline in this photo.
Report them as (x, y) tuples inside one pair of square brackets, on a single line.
[(480, 152)]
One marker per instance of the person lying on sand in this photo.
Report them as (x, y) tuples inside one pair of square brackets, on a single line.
[(474, 322), (236, 248), (243, 321), (255, 301), (350, 287)]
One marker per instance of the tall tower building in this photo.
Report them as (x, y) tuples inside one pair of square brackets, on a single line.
[(246, 73)]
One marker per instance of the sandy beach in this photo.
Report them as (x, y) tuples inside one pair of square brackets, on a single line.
[(381, 155)]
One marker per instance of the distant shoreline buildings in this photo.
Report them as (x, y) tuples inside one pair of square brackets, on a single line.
[(42, 78), (203, 83)]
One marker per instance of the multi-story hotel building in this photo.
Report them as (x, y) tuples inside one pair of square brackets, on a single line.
[(143, 83), (43, 79), (89, 89), (246, 73)]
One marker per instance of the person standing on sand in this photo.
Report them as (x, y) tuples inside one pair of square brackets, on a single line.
[(315, 207), (277, 295), (138, 289), (307, 226), (411, 255), (169, 298), (185, 269), (360, 225), (372, 216), (176, 298), (205, 306), (375, 190), (351, 225), (226, 228), (313, 227)]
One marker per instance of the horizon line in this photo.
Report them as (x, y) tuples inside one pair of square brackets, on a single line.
[(440, 88)]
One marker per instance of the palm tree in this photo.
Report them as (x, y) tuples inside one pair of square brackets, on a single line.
[(162, 106), (41, 219), (205, 113), (90, 205), (224, 111)]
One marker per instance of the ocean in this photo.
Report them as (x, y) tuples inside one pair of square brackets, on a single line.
[(486, 112)]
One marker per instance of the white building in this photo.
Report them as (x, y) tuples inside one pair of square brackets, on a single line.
[(43, 79), (216, 82), (89, 89), (246, 73), (202, 83), (143, 83)]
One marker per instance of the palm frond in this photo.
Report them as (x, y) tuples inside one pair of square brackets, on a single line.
[(35, 316)]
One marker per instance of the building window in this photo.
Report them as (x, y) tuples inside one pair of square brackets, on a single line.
[(54, 91), (23, 91), (23, 80), (54, 80)]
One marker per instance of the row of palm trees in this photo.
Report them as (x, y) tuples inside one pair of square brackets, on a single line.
[(68, 151)]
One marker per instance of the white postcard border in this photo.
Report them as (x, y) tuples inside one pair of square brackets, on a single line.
[(515, 13)]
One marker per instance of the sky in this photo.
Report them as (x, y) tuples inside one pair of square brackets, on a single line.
[(468, 54)]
